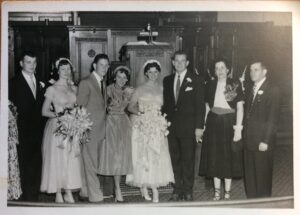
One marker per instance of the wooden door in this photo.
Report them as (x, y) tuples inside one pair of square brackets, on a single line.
[(87, 49)]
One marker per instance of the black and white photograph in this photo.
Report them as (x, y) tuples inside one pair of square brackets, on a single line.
[(149, 104)]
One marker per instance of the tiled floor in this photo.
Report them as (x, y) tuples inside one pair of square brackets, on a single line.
[(282, 182)]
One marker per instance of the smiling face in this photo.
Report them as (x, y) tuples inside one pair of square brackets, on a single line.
[(180, 62), (121, 79), (64, 71), (101, 67), (257, 72), (152, 74), (221, 70), (28, 64)]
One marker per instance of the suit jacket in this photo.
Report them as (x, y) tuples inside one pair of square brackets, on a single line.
[(89, 95), (188, 113), (30, 123), (210, 92), (261, 116)]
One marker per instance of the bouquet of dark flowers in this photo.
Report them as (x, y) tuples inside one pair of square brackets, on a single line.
[(73, 125), (231, 92)]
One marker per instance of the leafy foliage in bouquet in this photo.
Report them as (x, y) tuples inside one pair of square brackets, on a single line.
[(74, 122), (231, 92), (152, 120)]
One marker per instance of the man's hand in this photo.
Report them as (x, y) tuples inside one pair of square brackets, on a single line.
[(199, 134), (262, 147)]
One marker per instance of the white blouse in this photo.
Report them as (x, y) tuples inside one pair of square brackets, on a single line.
[(220, 100)]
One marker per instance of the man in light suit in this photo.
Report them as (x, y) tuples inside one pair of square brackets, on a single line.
[(185, 108), (27, 94), (92, 95), (260, 126)]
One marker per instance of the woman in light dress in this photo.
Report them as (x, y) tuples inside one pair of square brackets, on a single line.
[(14, 190), (115, 152), (61, 163), (152, 166)]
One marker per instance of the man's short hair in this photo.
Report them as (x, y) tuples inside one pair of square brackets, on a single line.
[(180, 53), (262, 63), (29, 53), (97, 58)]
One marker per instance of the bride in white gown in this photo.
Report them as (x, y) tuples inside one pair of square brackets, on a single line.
[(152, 166)]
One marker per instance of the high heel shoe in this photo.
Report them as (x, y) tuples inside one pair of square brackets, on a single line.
[(217, 194), (155, 194), (227, 195), (69, 198), (118, 196), (145, 194), (59, 198)]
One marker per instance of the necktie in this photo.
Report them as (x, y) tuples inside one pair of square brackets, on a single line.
[(101, 86), (253, 92), (177, 87), (32, 85)]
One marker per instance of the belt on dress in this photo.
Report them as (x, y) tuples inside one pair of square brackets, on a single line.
[(222, 111)]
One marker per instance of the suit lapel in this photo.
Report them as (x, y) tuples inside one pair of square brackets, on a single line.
[(172, 80), (26, 86), (183, 85), (96, 85), (262, 88)]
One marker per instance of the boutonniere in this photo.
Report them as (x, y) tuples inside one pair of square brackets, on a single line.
[(260, 92), (189, 80), (42, 84), (230, 92), (188, 89)]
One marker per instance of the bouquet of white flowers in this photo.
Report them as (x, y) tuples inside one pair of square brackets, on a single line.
[(73, 125)]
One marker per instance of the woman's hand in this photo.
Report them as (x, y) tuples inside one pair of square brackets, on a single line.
[(237, 133)]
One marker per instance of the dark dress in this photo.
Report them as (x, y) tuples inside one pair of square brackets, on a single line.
[(217, 157)]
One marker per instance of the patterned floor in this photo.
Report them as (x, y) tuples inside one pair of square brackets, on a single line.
[(282, 182)]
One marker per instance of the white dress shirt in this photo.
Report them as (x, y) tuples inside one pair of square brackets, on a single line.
[(182, 75), (220, 100), (257, 86), (28, 79), (98, 78)]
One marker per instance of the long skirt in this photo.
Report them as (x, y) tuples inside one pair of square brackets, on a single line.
[(61, 163), (217, 157), (115, 152)]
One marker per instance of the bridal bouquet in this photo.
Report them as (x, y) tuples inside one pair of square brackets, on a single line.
[(73, 125), (152, 121)]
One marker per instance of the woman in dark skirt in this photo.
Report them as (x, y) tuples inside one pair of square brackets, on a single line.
[(221, 156)]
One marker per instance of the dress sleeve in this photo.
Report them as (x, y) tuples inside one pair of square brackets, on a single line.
[(49, 94)]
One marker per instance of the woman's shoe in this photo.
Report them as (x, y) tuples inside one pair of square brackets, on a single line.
[(227, 195), (145, 194), (69, 198), (118, 196), (217, 194), (59, 198), (155, 196)]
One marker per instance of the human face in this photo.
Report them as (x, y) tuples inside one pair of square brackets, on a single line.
[(152, 74), (221, 70), (180, 63), (64, 71), (101, 67), (28, 64), (121, 79), (257, 72)]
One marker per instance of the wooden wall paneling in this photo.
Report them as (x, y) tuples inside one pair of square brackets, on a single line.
[(138, 55), (85, 44)]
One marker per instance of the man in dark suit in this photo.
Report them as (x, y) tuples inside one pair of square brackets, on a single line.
[(25, 91), (185, 109), (262, 111)]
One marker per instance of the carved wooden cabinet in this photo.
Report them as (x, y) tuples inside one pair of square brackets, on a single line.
[(137, 55)]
